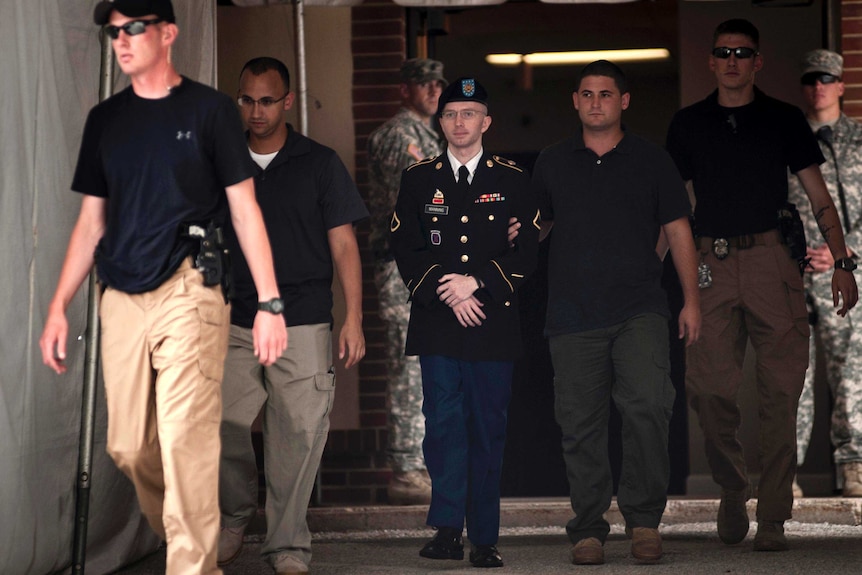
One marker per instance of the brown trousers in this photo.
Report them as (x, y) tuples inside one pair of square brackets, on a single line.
[(756, 294), (163, 356)]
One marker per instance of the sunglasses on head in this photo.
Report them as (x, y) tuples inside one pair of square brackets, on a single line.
[(132, 28), (811, 78), (742, 52)]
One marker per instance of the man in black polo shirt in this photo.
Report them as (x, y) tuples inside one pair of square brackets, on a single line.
[(608, 195), (309, 205), (734, 149)]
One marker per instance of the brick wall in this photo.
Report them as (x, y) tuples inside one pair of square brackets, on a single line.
[(354, 468), (851, 49)]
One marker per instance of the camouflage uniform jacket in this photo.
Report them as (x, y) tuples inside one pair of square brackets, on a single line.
[(400, 142), (847, 143)]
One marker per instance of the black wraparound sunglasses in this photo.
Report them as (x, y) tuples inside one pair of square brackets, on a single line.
[(811, 78), (132, 28), (742, 53)]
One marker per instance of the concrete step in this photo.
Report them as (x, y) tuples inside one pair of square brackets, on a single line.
[(544, 512)]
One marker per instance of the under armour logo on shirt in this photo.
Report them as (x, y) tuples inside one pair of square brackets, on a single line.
[(184, 135)]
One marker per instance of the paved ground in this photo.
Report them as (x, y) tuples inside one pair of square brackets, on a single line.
[(825, 538), (689, 549)]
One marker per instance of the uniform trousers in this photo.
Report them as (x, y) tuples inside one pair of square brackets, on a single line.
[(163, 356), (840, 339), (297, 391), (629, 363), (756, 293), (466, 407), (405, 423)]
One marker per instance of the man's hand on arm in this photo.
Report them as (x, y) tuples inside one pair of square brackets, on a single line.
[(512, 232), (455, 288), (820, 259)]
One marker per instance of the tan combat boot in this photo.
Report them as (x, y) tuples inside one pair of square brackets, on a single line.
[(852, 473), (409, 488)]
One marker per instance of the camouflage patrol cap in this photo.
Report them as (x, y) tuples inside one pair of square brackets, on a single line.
[(822, 62), (463, 90), (421, 70)]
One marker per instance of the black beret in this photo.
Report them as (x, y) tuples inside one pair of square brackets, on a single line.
[(462, 90)]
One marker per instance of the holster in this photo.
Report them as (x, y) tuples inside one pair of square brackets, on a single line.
[(793, 232), (212, 258)]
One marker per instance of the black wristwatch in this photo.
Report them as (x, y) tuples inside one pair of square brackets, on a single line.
[(275, 305), (846, 264)]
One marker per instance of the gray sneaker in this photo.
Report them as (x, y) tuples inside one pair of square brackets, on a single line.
[(733, 516), (229, 544)]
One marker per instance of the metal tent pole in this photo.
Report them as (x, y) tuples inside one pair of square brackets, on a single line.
[(91, 371), (302, 81)]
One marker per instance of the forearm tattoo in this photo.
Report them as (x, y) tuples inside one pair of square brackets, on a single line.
[(825, 228)]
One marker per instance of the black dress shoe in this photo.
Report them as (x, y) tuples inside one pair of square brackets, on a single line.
[(485, 556), (446, 544)]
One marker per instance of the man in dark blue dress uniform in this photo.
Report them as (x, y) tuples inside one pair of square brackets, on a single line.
[(449, 237)]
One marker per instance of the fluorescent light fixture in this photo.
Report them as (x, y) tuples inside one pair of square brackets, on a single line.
[(504, 59), (580, 57)]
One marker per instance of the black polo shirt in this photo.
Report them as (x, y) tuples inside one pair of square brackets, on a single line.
[(737, 159), (303, 193), (607, 212)]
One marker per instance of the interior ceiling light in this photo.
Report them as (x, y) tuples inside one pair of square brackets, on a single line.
[(581, 57)]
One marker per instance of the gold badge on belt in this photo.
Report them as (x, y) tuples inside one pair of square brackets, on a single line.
[(720, 248)]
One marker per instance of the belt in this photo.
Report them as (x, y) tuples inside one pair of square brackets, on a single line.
[(770, 238)]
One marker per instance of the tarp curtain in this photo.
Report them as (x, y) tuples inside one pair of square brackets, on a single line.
[(49, 65)]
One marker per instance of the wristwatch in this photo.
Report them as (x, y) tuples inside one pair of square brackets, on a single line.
[(275, 305), (846, 264)]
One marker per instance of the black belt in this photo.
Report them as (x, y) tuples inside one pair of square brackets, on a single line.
[(721, 246)]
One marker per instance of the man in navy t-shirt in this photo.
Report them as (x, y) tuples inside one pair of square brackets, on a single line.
[(159, 164)]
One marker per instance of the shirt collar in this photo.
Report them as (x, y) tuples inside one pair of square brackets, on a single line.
[(471, 164)]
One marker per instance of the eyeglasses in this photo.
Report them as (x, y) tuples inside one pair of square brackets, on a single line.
[(132, 28), (811, 78), (741, 53), (265, 102), (451, 115)]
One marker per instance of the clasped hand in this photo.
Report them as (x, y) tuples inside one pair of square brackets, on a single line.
[(456, 291)]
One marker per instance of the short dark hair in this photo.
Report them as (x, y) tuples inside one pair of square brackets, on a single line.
[(738, 26), (608, 69), (258, 66)]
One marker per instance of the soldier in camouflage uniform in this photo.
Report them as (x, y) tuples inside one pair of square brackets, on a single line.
[(840, 139), (403, 140)]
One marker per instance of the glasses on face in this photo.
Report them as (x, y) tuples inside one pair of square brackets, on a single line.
[(467, 115), (265, 102), (812, 78), (132, 28), (741, 53)]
